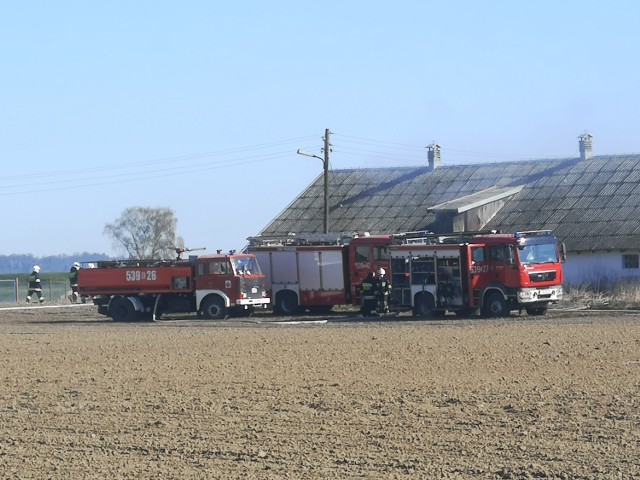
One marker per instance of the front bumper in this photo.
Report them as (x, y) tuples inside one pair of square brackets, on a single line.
[(537, 295), (253, 302)]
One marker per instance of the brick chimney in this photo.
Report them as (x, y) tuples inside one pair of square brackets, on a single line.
[(433, 155), (585, 146)]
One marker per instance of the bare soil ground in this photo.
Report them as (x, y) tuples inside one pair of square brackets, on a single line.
[(554, 397)]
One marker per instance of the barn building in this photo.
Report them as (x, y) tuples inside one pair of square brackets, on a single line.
[(592, 204)]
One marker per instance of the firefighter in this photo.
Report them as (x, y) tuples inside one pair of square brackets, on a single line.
[(383, 291), (368, 289), (73, 281), (35, 284)]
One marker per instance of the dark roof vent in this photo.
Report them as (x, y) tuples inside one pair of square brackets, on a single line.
[(433, 155), (585, 146)]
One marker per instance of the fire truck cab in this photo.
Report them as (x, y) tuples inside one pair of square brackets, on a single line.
[(493, 274)]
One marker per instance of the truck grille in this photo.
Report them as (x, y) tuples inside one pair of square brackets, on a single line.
[(542, 276), (253, 287)]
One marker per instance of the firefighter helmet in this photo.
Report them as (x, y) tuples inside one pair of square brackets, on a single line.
[(381, 271), (36, 269), (76, 264)]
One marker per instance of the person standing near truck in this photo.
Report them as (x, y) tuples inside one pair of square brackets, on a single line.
[(384, 290), (35, 285), (368, 290), (73, 282)]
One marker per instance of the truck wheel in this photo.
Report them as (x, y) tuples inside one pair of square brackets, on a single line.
[(423, 306), (214, 309), (287, 304), (495, 306), (536, 310), (122, 310)]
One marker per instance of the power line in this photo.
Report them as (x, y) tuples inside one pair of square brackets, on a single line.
[(452, 151), (392, 152), (96, 176), (129, 177), (157, 161), (391, 156), (380, 142)]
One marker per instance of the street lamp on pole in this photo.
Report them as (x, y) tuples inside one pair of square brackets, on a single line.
[(307, 154), (325, 162)]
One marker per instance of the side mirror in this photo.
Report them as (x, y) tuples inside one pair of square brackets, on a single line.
[(563, 252)]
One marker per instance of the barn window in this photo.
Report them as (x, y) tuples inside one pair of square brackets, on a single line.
[(630, 261)]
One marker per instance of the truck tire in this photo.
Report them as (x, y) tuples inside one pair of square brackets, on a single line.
[(495, 306), (287, 304), (423, 306), (537, 310), (122, 310), (213, 308)]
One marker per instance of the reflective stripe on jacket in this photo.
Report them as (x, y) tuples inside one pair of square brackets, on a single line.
[(368, 292)]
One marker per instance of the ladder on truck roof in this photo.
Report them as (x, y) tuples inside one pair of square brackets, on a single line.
[(534, 233), (140, 263), (299, 239), (431, 238)]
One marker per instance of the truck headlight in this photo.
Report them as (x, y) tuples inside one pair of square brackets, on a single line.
[(525, 294)]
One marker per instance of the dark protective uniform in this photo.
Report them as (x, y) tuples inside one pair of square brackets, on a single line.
[(35, 287), (383, 293), (368, 289), (73, 281)]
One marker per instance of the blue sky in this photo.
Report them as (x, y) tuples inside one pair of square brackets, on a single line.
[(200, 106)]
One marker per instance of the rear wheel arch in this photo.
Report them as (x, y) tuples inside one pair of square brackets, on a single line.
[(286, 303), (423, 305), (122, 309)]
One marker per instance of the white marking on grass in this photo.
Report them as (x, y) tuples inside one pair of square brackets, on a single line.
[(42, 307)]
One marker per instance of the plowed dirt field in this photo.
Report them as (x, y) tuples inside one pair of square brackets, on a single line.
[(523, 397)]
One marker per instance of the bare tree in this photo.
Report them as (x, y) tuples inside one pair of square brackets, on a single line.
[(145, 233)]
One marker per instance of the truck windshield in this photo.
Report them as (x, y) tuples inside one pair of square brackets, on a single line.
[(539, 253), (245, 265)]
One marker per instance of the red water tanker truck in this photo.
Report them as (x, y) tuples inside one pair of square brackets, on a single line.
[(214, 286)]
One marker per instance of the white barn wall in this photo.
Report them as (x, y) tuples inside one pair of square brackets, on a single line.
[(597, 269)]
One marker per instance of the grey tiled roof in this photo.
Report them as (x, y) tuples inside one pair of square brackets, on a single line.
[(591, 204)]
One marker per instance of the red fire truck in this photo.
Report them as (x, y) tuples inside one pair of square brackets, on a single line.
[(214, 286), (430, 274)]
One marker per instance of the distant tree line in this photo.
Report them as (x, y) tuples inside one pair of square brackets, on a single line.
[(21, 264)]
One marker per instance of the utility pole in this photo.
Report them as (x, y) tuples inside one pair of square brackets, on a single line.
[(327, 149), (325, 162)]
